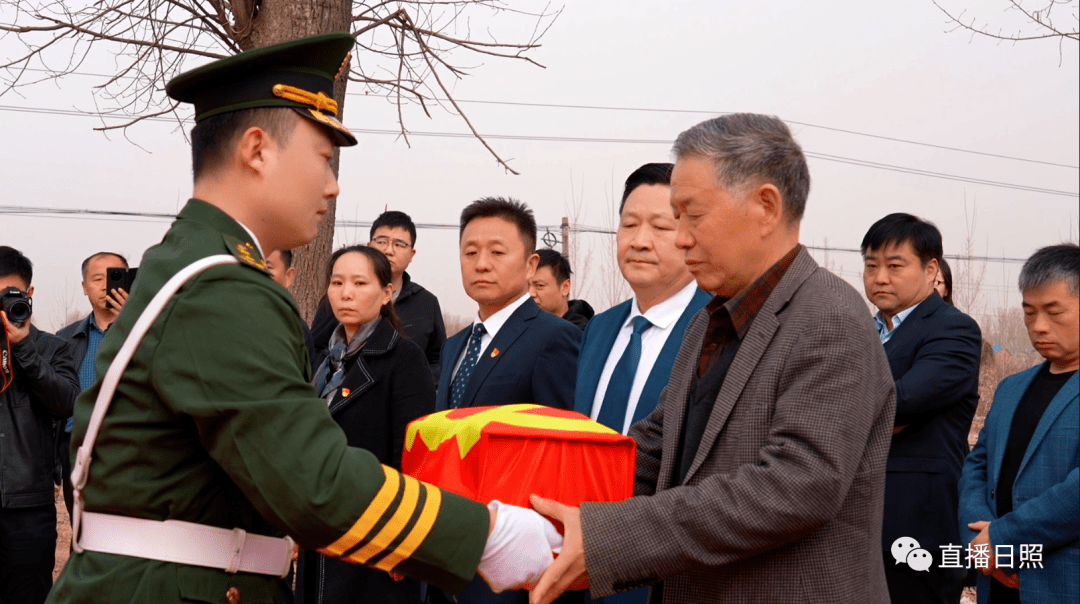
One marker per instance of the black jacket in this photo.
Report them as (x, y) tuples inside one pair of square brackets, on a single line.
[(579, 313), (43, 393), (421, 320), (934, 356), (388, 385)]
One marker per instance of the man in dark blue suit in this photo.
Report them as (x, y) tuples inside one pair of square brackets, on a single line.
[(648, 328), (513, 352), (934, 351)]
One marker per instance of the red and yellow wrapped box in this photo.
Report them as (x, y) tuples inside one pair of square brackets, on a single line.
[(513, 451)]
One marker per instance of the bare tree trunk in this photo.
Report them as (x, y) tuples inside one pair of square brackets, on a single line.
[(279, 21)]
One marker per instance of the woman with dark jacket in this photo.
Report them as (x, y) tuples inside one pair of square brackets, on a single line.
[(374, 382)]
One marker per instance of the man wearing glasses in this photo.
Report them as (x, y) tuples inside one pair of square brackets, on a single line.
[(394, 234)]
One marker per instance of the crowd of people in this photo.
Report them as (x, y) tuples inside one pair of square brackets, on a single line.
[(791, 446)]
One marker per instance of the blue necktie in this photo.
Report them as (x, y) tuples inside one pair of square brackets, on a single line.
[(613, 409), (472, 353)]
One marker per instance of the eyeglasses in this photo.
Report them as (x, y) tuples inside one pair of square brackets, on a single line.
[(385, 242)]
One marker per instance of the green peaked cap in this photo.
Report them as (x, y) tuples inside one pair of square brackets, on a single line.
[(298, 74)]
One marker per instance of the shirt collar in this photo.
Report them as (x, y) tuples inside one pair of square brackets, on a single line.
[(254, 239), (666, 313), (744, 306), (883, 327), (495, 322), (91, 324)]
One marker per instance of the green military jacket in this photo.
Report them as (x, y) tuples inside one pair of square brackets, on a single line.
[(215, 422)]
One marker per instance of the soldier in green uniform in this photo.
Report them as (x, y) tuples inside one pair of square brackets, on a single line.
[(215, 445)]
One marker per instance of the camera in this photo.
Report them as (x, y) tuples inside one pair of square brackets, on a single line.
[(16, 304)]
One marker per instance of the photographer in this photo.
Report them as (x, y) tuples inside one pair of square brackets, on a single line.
[(84, 336), (40, 384)]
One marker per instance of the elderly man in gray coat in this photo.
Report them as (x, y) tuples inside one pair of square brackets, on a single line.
[(761, 473)]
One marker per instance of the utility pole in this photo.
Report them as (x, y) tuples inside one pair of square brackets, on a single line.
[(565, 236)]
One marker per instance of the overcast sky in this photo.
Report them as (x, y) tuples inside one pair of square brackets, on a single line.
[(885, 69)]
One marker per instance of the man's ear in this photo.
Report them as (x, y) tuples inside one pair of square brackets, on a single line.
[(770, 204), (530, 264), (30, 291), (564, 289), (932, 269), (290, 276), (85, 293), (254, 149)]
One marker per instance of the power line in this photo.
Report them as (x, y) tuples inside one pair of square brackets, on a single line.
[(821, 156), (46, 212), (682, 111)]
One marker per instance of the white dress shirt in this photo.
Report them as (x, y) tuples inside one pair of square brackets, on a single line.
[(663, 317), (492, 326)]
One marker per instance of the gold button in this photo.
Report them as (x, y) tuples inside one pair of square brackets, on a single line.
[(232, 596)]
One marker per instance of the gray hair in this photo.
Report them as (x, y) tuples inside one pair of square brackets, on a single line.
[(1050, 265), (748, 148)]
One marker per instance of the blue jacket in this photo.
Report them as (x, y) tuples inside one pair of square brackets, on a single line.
[(596, 346), (536, 362), (1046, 494)]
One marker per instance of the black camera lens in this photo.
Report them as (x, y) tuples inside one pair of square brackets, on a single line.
[(16, 305)]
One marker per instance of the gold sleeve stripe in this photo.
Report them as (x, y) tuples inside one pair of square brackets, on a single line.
[(375, 510), (419, 531), (394, 526)]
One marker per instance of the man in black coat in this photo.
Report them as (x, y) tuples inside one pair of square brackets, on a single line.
[(934, 352), (40, 393), (550, 289)]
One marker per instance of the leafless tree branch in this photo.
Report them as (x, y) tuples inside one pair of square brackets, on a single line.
[(1040, 17), (402, 46)]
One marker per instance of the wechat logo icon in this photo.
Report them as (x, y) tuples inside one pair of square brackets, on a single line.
[(906, 550)]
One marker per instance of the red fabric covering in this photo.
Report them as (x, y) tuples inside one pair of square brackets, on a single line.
[(517, 450)]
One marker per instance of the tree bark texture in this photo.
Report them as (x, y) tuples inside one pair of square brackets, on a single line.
[(279, 21)]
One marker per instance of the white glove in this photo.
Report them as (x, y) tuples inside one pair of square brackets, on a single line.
[(520, 548)]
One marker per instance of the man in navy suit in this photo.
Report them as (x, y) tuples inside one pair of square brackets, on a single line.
[(665, 298), (513, 352), (665, 295), (1021, 483), (934, 351)]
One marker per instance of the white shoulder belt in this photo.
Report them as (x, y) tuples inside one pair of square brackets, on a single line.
[(170, 540)]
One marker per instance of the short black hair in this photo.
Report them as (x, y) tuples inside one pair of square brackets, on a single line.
[(649, 174), (560, 266), (1048, 265), (895, 229), (12, 262), (286, 259), (86, 263), (946, 278), (507, 208), (394, 219), (214, 136)]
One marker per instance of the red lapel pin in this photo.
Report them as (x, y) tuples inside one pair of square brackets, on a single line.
[(494, 353)]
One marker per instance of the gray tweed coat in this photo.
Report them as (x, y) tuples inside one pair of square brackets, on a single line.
[(783, 502)]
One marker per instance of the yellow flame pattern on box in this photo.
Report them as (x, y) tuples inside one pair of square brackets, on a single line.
[(438, 428)]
